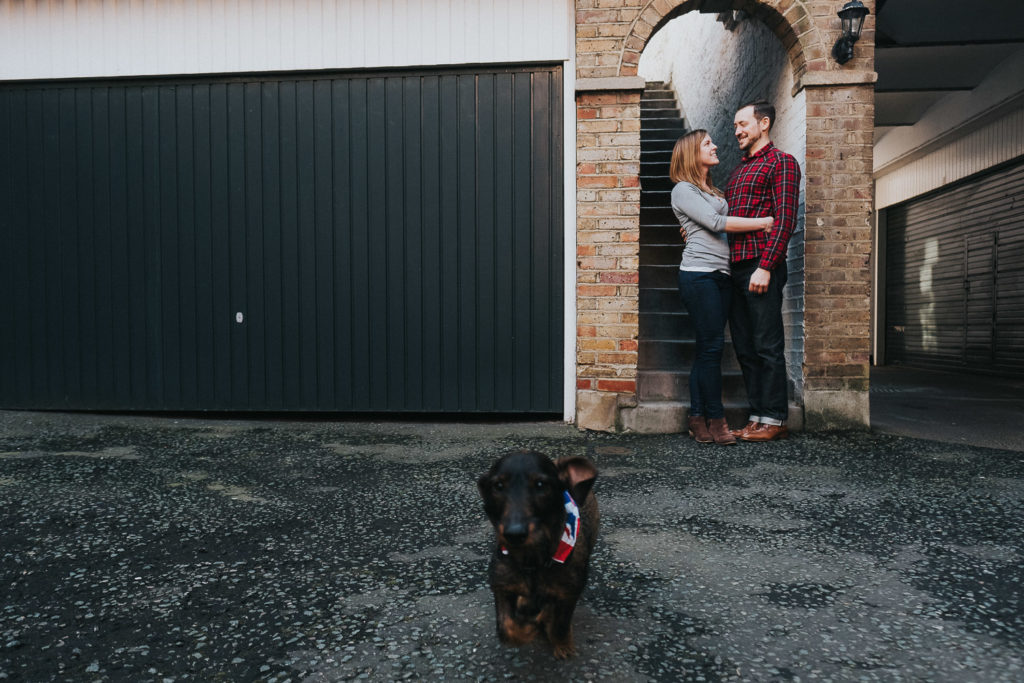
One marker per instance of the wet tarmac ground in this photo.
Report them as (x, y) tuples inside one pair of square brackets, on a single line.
[(149, 549)]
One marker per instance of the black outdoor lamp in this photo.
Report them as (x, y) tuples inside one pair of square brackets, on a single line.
[(852, 16)]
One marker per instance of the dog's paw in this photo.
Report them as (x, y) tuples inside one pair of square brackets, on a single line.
[(514, 633), (565, 650)]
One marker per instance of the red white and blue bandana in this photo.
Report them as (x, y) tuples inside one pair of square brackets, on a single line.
[(569, 534), (571, 531)]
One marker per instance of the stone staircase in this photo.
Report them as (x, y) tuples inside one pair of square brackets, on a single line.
[(666, 337)]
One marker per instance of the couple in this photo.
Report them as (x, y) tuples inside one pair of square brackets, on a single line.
[(734, 268)]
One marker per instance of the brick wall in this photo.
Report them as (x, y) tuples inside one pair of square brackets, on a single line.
[(840, 132), (611, 35), (607, 237)]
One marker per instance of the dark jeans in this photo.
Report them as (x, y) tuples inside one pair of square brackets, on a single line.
[(707, 297), (759, 339)]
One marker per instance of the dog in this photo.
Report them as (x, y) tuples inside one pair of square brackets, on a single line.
[(546, 518)]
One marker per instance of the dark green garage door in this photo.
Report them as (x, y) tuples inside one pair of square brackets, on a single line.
[(367, 242)]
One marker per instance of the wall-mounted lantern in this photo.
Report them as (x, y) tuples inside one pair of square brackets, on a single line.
[(852, 16)]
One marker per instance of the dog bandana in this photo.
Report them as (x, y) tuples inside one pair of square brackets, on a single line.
[(572, 529)]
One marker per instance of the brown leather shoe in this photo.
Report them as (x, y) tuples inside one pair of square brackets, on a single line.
[(699, 430), (750, 426), (766, 432), (719, 429)]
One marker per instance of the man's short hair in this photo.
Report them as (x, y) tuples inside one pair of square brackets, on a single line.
[(762, 108)]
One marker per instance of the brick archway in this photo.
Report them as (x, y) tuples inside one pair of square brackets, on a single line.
[(610, 36), (789, 20)]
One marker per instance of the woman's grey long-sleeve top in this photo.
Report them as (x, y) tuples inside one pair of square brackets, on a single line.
[(702, 215)]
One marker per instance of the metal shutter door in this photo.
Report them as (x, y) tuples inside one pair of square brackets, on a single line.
[(348, 242), (955, 276)]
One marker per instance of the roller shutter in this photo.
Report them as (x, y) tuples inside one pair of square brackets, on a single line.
[(955, 276)]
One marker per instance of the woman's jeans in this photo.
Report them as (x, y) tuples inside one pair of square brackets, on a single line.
[(707, 297)]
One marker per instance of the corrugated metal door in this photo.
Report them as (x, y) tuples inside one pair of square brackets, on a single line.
[(955, 276), (370, 242)]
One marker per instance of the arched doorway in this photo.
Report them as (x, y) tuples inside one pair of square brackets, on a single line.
[(708, 65), (837, 132)]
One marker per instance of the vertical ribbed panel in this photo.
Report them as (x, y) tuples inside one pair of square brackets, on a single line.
[(993, 144), (381, 242), (103, 38)]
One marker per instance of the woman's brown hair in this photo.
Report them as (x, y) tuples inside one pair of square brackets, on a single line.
[(686, 167)]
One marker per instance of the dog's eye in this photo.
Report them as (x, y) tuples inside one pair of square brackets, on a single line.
[(540, 484), (499, 486)]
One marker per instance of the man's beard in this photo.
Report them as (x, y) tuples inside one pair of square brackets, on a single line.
[(749, 142)]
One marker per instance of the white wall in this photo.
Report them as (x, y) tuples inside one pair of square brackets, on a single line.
[(93, 38), (713, 71)]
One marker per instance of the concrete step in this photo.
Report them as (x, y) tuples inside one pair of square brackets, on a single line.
[(665, 101), (662, 144), (658, 197), (666, 134), (667, 234), (662, 119), (654, 168), (658, 89), (648, 113), (656, 183), (660, 254), (675, 354), (674, 385), (662, 277), (662, 197), (670, 417), (673, 324), (660, 300), (657, 158), (656, 214), (670, 321)]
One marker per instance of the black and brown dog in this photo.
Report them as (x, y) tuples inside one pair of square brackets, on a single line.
[(546, 519)]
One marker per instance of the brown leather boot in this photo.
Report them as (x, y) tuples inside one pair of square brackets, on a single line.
[(749, 427), (767, 433), (699, 430), (719, 429)]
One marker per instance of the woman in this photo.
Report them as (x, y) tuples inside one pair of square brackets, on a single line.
[(704, 276)]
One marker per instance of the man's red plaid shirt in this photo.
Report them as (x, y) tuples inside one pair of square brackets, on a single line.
[(766, 183)]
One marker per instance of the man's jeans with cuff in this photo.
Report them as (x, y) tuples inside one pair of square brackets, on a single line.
[(759, 339)]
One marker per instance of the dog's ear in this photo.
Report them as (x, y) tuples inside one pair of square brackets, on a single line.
[(483, 484), (578, 474)]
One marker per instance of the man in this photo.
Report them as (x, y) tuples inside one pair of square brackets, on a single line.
[(765, 183)]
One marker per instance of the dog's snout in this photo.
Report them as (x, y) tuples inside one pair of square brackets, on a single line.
[(516, 533)]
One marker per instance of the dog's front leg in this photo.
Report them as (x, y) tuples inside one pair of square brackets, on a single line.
[(511, 631), (559, 629)]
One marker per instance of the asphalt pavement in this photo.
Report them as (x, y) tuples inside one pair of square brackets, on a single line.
[(953, 406), (138, 548)]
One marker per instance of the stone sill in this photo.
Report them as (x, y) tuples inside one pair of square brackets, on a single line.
[(612, 83)]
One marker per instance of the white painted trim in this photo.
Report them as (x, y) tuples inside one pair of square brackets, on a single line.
[(989, 145), (569, 193)]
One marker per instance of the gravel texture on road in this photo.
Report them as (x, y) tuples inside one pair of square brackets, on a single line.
[(159, 549)]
